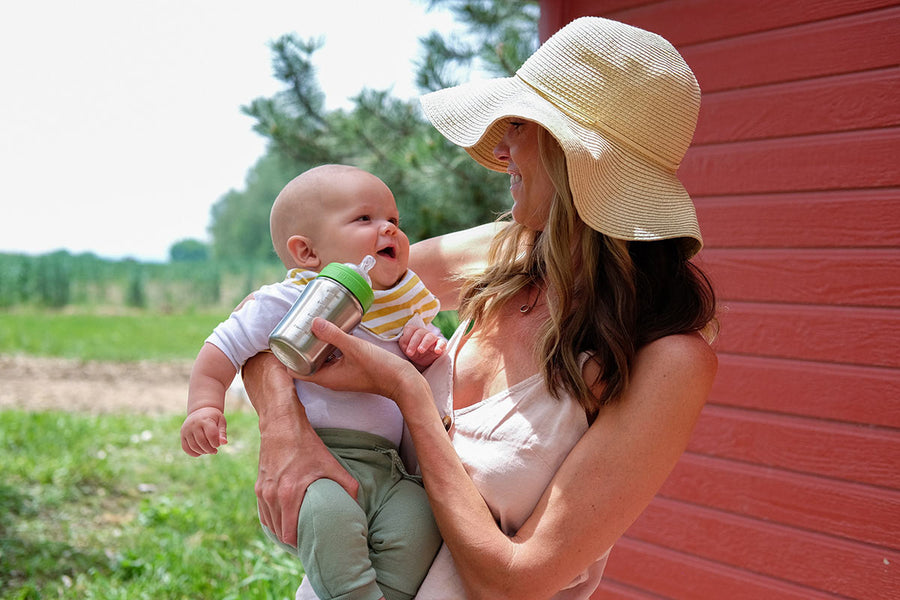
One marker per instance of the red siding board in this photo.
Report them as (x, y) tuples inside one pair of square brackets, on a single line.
[(556, 13), (840, 103), (842, 219), (688, 22), (848, 393), (796, 53), (865, 336), (839, 277), (844, 452), (790, 487), (835, 161), (810, 559), (683, 577), (856, 512), (616, 591)]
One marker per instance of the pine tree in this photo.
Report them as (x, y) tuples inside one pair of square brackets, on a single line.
[(438, 187)]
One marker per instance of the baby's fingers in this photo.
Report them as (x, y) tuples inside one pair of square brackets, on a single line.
[(430, 344), (414, 345), (196, 446), (201, 440)]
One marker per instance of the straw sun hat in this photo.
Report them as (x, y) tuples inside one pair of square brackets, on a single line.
[(623, 105)]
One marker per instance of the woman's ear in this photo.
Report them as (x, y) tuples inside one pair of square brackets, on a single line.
[(303, 253)]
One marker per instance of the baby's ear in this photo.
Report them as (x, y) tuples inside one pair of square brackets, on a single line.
[(303, 253)]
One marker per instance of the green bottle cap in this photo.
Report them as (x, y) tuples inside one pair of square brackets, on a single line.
[(352, 280)]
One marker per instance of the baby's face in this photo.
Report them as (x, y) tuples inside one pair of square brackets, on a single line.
[(360, 217)]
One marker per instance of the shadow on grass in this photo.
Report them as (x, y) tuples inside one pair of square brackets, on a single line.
[(24, 561)]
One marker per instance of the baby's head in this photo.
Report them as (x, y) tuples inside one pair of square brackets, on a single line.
[(338, 213)]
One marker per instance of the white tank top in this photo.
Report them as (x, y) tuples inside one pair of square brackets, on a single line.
[(511, 444)]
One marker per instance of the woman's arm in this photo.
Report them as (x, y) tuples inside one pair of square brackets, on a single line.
[(440, 261), (600, 489), (291, 455), (614, 471)]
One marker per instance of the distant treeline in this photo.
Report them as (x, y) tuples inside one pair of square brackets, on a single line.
[(60, 280)]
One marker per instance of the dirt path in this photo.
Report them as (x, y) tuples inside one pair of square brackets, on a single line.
[(96, 387)]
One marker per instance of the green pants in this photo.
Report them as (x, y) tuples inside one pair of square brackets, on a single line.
[(381, 544)]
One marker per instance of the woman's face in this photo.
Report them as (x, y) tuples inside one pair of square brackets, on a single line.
[(529, 183)]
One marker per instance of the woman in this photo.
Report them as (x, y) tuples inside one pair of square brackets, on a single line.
[(579, 370)]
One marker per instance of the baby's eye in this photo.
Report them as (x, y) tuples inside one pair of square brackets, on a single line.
[(516, 124), (395, 222), (364, 218)]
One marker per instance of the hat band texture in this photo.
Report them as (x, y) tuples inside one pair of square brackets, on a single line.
[(588, 121)]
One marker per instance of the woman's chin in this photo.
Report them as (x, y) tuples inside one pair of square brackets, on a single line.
[(530, 220)]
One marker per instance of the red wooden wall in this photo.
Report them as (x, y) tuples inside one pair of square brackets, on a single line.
[(790, 487)]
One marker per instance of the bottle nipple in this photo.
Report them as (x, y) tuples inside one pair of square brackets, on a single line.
[(364, 267)]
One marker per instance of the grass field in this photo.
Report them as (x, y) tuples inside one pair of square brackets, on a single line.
[(109, 507), (138, 336), (124, 337)]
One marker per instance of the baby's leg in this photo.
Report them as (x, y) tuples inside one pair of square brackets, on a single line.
[(332, 544), (404, 540)]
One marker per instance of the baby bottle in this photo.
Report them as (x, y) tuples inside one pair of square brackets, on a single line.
[(341, 293)]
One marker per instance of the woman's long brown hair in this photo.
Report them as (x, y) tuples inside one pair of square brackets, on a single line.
[(607, 297)]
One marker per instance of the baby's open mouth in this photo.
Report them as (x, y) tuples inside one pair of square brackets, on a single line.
[(389, 252)]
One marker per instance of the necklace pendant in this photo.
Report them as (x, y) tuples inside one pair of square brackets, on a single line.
[(526, 308)]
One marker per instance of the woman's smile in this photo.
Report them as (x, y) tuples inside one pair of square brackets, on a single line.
[(529, 184)]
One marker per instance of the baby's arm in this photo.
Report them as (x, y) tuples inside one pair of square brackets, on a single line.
[(421, 345), (203, 430)]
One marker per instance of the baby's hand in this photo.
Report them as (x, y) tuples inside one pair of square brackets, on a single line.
[(420, 345), (203, 431)]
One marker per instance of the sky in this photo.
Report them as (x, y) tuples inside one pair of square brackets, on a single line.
[(120, 120)]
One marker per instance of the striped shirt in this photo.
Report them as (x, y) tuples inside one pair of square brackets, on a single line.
[(392, 308)]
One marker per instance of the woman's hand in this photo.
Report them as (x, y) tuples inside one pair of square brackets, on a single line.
[(291, 455), (361, 367)]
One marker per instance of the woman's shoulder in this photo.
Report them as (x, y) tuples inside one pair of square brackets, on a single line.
[(441, 261), (678, 367), (686, 357), (688, 351)]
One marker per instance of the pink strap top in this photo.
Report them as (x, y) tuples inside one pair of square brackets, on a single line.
[(511, 445)]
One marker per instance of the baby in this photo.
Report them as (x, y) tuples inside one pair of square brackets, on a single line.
[(337, 213)]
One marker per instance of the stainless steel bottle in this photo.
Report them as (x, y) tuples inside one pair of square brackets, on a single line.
[(339, 294)]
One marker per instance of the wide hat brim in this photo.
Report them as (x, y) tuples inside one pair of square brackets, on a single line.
[(616, 190)]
